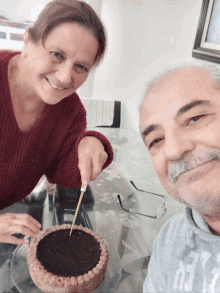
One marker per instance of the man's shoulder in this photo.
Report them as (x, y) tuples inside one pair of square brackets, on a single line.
[(175, 228)]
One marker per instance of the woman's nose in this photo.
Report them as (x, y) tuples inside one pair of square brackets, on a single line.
[(177, 145), (65, 74)]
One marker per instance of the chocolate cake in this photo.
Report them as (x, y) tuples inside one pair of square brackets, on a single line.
[(61, 263)]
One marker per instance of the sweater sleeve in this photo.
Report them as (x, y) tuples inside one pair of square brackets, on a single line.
[(106, 144), (64, 169)]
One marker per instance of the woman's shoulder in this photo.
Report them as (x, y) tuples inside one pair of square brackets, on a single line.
[(7, 54)]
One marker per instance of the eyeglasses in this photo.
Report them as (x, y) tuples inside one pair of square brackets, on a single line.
[(160, 211)]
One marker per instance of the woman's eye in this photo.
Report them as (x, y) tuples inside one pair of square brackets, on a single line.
[(196, 118), (154, 142), (58, 56), (81, 68)]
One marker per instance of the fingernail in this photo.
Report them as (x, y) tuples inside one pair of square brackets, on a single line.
[(85, 183)]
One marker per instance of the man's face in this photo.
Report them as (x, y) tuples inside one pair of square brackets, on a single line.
[(180, 125)]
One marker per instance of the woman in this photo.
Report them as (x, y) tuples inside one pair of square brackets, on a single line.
[(43, 122)]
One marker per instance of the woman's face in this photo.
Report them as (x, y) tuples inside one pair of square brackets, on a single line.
[(58, 68)]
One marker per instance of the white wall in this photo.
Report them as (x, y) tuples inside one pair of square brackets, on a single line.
[(21, 10), (143, 35)]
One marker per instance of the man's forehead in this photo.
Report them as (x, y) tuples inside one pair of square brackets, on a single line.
[(182, 78), (179, 83)]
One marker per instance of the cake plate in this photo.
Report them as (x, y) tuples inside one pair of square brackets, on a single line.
[(22, 280)]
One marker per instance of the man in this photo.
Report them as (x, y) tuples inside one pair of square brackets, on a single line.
[(180, 125)]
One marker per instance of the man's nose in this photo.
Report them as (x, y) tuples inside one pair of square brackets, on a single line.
[(177, 145), (65, 74)]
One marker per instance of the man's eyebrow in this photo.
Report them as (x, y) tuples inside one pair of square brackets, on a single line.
[(181, 111), (191, 105)]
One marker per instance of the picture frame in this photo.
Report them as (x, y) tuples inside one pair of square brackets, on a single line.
[(207, 41)]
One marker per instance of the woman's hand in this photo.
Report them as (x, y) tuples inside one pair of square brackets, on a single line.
[(11, 223), (92, 157)]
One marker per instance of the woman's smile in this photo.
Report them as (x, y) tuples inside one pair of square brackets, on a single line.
[(59, 88)]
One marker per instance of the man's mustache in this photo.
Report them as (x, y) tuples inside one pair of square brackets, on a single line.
[(190, 163)]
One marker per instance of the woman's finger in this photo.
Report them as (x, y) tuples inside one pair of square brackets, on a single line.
[(103, 158), (17, 228), (96, 169), (9, 221), (85, 170), (92, 157), (28, 221), (98, 161), (14, 216), (11, 239), (20, 227)]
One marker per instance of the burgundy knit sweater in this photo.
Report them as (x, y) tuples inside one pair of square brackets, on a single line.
[(50, 147)]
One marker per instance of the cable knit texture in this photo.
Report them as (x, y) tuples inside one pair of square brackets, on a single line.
[(49, 147)]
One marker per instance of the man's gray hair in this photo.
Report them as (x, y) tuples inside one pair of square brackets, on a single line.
[(212, 69)]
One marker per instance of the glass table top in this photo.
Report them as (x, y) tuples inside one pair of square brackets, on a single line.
[(129, 236)]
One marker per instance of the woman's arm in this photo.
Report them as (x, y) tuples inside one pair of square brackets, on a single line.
[(79, 151)]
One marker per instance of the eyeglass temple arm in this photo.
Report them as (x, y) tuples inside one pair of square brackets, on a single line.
[(153, 217), (119, 198), (146, 191)]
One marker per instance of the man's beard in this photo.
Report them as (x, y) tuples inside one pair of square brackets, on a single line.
[(205, 204), (190, 162)]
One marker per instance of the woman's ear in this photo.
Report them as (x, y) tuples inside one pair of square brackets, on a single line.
[(26, 39)]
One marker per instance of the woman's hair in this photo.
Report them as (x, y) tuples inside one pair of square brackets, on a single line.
[(58, 12)]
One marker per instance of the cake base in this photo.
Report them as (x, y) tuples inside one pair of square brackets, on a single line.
[(48, 282)]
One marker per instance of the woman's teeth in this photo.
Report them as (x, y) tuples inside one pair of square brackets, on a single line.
[(55, 87)]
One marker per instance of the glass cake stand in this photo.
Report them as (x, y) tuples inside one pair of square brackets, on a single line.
[(24, 284)]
